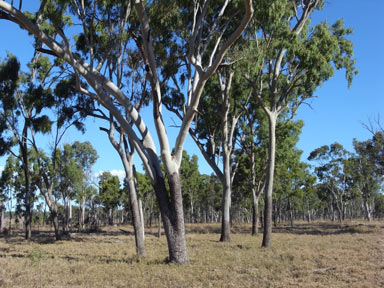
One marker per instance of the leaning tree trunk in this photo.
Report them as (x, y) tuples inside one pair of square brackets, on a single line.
[(267, 235), (172, 217), (53, 211), (140, 202), (138, 224)]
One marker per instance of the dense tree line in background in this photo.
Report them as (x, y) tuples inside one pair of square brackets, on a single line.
[(233, 72)]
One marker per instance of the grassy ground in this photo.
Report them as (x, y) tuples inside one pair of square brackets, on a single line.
[(319, 254)]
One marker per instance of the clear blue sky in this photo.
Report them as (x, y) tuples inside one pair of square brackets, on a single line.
[(338, 112)]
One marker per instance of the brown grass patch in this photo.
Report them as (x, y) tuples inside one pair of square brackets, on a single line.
[(319, 254)]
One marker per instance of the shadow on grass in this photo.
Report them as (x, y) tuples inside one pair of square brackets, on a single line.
[(40, 237), (323, 229), (301, 228)]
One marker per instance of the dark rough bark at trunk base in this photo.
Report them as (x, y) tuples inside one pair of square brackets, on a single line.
[(28, 225), (267, 235), (225, 231), (255, 220), (173, 219), (138, 227), (1, 217), (55, 222)]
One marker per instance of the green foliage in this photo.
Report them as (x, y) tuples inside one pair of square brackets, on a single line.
[(109, 190), (71, 174), (308, 56)]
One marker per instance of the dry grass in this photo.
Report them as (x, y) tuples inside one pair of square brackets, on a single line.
[(320, 254)]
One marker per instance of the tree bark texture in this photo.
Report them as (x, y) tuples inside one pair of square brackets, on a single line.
[(226, 202), (255, 214), (173, 217), (268, 205), (138, 224), (1, 217)]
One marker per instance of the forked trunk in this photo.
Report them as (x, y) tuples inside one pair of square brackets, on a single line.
[(368, 210), (53, 211)]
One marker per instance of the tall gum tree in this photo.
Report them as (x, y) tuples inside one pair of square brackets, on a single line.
[(23, 100), (215, 131), (288, 60), (107, 93)]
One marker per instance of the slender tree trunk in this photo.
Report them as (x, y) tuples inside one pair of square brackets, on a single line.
[(28, 207), (138, 224), (82, 210), (226, 200), (110, 216), (255, 213), (267, 235), (1, 217), (291, 214), (255, 195), (192, 210), (28, 197), (10, 213), (159, 226), (69, 215)]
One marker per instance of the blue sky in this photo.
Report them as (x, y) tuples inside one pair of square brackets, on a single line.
[(337, 113)]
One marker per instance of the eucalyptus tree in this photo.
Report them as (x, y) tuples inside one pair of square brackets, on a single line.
[(7, 186), (110, 194), (289, 170), (10, 183), (253, 145), (331, 172), (70, 180), (145, 190), (125, 149), (85, 156), (137, 95), (215, 131), (201, 19), (288, 59), (367, 172), (190, 184), (22, 104)]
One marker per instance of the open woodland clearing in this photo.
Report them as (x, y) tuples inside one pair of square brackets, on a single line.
[(318, 254)]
